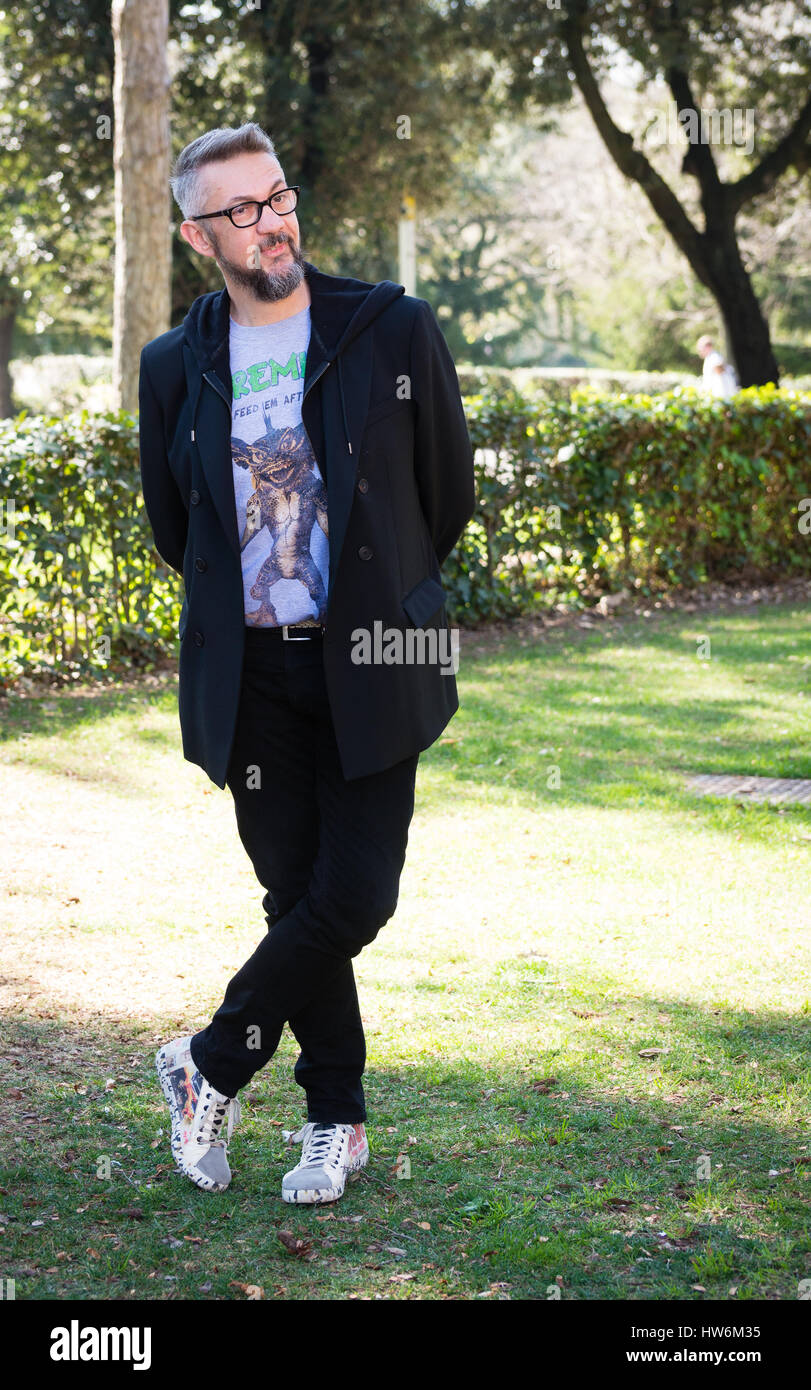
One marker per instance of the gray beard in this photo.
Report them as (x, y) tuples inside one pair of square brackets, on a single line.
[(267, 286)]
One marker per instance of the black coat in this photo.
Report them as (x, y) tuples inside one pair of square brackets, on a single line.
[(400, 489)]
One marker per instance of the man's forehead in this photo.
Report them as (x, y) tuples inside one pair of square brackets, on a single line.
[(244, 176)]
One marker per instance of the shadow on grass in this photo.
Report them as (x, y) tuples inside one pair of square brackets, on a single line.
[(65, 714), (570, 694), (483, 1175), (573, 696), (63, 711)]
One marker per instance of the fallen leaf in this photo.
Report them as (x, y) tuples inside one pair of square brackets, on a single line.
[(294, 1244), (677, 1242), (251, 1291)]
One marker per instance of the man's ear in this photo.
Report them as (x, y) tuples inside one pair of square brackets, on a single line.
[(196, 238)]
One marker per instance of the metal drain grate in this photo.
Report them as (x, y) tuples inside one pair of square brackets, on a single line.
[(796, 790)]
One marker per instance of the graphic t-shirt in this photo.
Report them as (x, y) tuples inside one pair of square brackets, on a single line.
[(281, 497)]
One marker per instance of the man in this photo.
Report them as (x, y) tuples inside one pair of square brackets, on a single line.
[(719, 377), (306, 467)]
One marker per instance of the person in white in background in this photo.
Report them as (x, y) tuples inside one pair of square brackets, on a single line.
[(720, 377)]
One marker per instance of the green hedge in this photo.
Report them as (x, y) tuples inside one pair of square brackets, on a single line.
[(585, 496), (576, 497), (81, 587)]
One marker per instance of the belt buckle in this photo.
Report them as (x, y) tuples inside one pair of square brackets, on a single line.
[(287, 638)]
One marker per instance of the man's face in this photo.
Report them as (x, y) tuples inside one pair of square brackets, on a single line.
[(265, 259)]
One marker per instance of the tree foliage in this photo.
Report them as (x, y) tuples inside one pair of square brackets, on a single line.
[(711, 58)]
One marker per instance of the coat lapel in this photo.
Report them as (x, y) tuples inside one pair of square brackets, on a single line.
[(341, 465), (211, 433)]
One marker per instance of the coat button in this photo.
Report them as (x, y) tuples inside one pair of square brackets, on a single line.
[(200, 564), (198, 639), (363, 485), (365, 552), (194, 497)]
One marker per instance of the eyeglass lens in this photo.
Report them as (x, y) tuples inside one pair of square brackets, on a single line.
[(245, 214)]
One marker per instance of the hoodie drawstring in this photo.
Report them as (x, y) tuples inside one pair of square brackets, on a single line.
[(343, 404), (194, 386), (195, 403)]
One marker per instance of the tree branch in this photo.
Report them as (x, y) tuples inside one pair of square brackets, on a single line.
[(631, 162), (698, 160), (794, 148)]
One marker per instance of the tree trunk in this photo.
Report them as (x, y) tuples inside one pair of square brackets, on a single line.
[(277, 34), (747, 331), (142, 201), (8, 315), (319, 52)]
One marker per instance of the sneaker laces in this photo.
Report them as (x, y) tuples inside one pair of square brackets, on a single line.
[(320, 1142), (215, 1108)]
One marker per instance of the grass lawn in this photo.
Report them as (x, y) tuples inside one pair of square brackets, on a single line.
[(587, 1023)]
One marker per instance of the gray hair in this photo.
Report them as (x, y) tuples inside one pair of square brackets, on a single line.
[(223, 143)]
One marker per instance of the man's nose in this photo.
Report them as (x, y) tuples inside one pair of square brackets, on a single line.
[(270, 221)]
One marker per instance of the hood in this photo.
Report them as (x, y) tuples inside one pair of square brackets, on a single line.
[(341, 308)]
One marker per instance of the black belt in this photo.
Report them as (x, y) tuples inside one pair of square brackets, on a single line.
[(289, 632)]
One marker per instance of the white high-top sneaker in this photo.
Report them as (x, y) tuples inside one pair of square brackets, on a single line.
[(329, 1154), (198, 1113)]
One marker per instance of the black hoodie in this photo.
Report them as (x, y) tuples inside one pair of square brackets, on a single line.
[(382, 408)]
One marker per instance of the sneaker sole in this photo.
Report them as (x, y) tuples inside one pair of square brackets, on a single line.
[(199, 1180)]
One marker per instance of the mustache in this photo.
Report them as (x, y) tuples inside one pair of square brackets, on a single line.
[(269, 243)]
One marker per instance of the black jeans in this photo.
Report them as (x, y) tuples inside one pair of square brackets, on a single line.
[(329, 854)]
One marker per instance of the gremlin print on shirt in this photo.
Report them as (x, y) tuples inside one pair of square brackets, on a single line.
[(280, 495)]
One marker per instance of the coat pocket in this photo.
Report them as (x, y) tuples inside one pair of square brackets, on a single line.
[(423, 601)]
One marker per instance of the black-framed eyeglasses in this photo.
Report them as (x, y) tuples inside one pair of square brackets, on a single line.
[(248, 214)]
